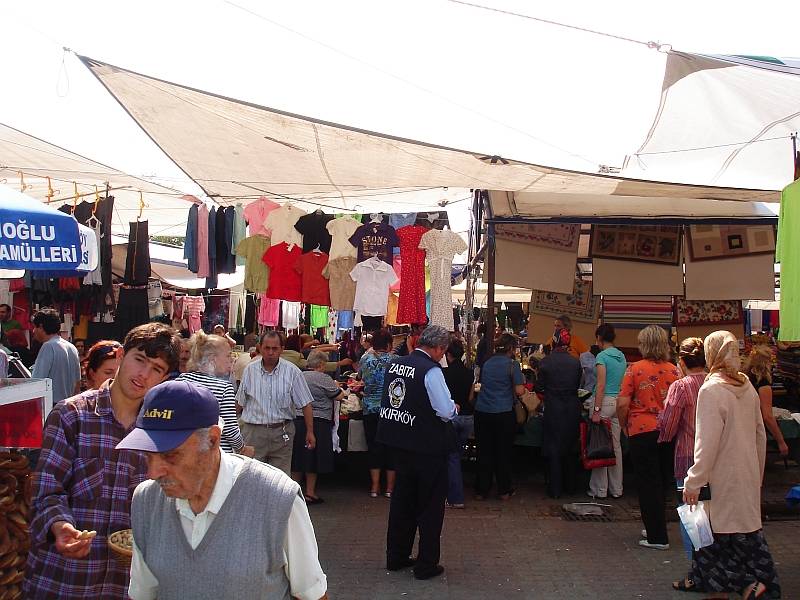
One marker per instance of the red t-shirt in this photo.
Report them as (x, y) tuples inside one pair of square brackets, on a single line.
[(284, 280), (315, 286)]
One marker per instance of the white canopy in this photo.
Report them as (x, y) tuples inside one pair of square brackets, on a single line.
[(723, 120), (28, 161), (246, 150)]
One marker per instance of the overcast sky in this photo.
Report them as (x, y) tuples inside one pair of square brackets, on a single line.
[(423, 69)]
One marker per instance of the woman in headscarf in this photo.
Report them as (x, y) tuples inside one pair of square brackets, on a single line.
[(641, 400), (558, 381), (729, 428)]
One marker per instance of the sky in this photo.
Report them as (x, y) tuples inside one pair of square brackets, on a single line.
[(431, 70)]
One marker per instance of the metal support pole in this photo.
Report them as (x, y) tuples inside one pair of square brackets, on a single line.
[(491, 278)]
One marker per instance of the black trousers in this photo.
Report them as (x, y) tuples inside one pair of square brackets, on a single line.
[(494, 437), (653, 470), (137, 263), (417, 504)]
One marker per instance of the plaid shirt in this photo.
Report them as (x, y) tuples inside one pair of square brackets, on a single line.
[(81, 479)]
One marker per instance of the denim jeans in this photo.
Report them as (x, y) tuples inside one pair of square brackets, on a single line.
[(687, 542), (463, 425)]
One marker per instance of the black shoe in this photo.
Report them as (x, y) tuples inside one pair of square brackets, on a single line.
[(400, 565), (428, 573)]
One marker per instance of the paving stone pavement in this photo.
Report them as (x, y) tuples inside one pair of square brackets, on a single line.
[(514, 549)]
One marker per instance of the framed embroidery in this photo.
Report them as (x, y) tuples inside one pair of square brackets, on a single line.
[(653, 243), (580, 304), (560, 236), (708, 242), (708, 312)]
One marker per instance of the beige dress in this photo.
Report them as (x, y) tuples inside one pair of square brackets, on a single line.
[(440, 246), (729, 453)]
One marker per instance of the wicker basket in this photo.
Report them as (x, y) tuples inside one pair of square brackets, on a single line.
[(121, 553)]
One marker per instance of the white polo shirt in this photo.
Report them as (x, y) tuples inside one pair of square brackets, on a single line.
[(373, 279)]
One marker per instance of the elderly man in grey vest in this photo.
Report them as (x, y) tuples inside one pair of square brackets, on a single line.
[(200, 504)]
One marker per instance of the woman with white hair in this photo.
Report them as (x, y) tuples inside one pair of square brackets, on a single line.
[(729, 453), (319, 459), (209, 366)]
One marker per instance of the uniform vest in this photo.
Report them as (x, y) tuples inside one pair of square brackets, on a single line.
[(406, 418)]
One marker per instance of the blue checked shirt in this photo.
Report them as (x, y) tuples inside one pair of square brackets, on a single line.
[(268, 398)]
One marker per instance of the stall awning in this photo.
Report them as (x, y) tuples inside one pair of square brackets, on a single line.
[(249, 149), (723, 120), (28, 161)]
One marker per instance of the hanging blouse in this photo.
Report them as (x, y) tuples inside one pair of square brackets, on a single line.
[(281, 221), (341, 229), (375, 239), (256, 213), (313, 229), (285, 282)]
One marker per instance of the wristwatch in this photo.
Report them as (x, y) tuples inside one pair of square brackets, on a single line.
[(597, 409)]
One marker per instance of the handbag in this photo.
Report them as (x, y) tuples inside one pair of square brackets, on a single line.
[(595, 463)]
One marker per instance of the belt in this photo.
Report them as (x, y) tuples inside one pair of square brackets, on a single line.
[(275, 425)]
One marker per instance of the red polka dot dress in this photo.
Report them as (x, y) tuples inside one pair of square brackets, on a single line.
[(411, 308)]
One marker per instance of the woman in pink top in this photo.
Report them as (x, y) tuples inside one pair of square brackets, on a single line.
[(676, 422)]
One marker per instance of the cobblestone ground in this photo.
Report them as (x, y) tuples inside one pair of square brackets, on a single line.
[(517, 549)]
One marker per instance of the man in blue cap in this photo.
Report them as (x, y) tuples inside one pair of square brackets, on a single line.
[(215, 501)]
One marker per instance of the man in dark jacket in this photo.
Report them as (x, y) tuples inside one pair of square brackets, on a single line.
[(414, 420)]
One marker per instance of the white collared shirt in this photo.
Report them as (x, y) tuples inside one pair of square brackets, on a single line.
[(373, 279), (306, 579)]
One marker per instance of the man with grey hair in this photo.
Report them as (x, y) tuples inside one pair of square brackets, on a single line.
[(415, 415), (272, 389), (195, 487), (576, 344)]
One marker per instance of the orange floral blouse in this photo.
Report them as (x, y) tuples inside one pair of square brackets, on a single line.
[(646, 383)]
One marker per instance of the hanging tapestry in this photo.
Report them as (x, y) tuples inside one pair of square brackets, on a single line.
[(579, 305), (651, 243), (708, 312), (636, 312), (561, 236), (725, 241)]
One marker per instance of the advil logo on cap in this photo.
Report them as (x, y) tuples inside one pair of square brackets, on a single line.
[(154, 413)]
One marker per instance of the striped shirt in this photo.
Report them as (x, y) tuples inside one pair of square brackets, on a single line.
[(231, 440), (80, 478), (272, 397), (676, 421)]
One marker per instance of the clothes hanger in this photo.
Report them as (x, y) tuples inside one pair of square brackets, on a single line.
[(318, 249), (93, 221), (375, 218), (75, 197), (141, 206)]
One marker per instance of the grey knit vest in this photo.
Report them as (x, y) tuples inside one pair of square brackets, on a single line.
[(241, 554)]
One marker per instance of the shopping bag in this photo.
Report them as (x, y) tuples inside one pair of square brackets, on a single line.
[(599, 444), (695, 521), (590, 463)]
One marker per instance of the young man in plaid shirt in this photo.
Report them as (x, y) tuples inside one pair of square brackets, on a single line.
[(82, 483)]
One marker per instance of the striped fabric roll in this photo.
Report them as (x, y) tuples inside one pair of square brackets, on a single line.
[(635, 312)]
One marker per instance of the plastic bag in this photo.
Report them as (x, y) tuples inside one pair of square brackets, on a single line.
[(695, 521)]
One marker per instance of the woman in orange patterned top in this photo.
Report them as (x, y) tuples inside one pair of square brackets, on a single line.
[(641, 399)]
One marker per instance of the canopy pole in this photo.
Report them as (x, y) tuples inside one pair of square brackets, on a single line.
[(491, 255)]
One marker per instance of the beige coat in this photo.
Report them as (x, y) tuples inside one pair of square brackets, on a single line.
[(729, 452)]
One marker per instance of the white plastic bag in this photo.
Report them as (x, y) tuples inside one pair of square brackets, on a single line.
[(695, 521)]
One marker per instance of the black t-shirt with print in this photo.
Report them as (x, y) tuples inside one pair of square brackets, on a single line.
[(375, 239)]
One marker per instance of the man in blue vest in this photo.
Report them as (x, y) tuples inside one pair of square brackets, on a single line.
[(414, 420)]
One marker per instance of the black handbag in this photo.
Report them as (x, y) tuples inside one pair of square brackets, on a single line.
[(599, 444)]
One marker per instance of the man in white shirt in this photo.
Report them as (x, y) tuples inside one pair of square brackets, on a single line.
[(213, 495)]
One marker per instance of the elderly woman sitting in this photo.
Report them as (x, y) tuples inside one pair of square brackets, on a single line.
[(319, 459)]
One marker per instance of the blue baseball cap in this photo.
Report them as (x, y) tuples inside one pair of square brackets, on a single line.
[(172, 411)]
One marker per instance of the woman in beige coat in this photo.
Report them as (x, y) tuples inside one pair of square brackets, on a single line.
[(728, 430)]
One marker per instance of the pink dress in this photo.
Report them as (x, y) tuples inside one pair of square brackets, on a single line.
[(411, 308)]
